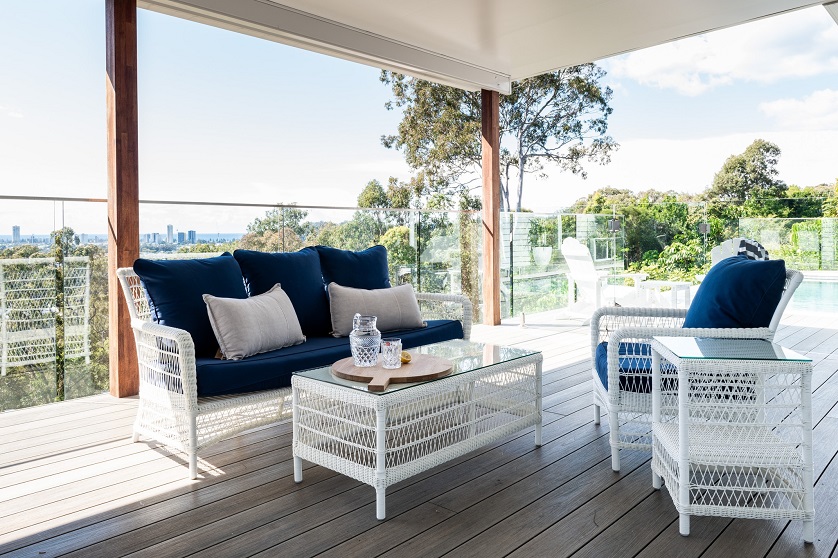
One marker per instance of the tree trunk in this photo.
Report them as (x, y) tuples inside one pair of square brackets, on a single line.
[(522, 160), (469, 283), (504, 189)]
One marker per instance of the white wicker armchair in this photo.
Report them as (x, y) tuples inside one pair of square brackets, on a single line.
[(170, 410), (627, 396)]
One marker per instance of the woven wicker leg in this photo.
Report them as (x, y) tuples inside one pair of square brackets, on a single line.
[(809, 531), (597, 414), (193, 465), (380, 507), (298, 469), (614, 436), (295, 415), (538, 404), (684, 525), (193, 448), (380, 462)]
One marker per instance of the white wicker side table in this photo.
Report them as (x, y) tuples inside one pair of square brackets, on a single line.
[(732, 429), (382, 438)]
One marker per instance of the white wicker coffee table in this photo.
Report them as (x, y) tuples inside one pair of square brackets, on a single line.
[(382, 438)]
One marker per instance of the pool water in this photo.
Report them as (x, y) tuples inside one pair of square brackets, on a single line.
[(816, 296)]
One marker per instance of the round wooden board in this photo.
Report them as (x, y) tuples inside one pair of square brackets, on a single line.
[(419, 369)]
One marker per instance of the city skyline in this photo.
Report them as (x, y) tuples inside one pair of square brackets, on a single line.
[(187, 236)]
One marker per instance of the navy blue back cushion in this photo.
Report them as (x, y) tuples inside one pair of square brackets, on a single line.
[(175, 290), (301, 278), (366, 269), (738, 292), (273, 369)]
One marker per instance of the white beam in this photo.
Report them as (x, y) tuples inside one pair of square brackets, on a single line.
[(275, 22), (833, 10)]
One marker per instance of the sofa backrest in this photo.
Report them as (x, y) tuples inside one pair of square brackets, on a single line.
[(300, 275)]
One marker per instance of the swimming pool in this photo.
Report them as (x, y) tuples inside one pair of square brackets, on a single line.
[(815, 296)]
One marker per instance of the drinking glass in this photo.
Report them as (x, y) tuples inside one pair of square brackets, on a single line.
[(391, 352)]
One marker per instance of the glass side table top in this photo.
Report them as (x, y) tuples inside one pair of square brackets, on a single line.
[(728, 349), (466, 356)]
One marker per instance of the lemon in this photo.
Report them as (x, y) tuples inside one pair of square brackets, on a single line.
[(405, 357)]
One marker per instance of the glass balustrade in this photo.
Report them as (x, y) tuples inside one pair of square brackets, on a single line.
[(54, 285)]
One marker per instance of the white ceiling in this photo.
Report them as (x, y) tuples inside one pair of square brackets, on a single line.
[(473, 44)]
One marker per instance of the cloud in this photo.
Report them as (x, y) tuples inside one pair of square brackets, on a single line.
[(818, 111), (11, 112), (795, 45), (686, 165)]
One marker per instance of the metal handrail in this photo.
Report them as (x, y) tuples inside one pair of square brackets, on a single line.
[(237, 204)]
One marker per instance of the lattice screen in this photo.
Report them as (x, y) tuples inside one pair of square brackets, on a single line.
[(29, 306)]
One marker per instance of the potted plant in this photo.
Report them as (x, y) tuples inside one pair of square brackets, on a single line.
[(543, 235)]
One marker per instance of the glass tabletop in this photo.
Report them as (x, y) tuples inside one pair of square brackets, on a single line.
[(728, 349), (465, 356)]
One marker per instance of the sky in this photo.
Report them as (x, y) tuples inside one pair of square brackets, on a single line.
[(230, 118)]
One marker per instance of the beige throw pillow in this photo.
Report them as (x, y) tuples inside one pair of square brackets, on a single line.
[(249, 326), (396, 308)]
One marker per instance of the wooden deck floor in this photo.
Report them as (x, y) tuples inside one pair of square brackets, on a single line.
[(73, 484)]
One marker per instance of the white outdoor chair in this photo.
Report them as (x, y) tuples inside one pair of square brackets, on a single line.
[(592, 284), (29, 306), (77, 308), (27, 312), (627, 332), (726, 249)]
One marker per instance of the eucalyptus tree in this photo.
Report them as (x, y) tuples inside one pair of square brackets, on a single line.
[(749, 175), (560, 118)]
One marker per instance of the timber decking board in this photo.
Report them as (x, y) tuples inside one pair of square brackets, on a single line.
[(174, 482), (136, 537), (73, 484)]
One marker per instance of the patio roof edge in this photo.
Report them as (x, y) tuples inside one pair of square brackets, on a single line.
[(278, 23), (832, 8)]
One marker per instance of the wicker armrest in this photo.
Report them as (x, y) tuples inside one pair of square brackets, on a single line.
[(447, 307), (645, 334), (166, 358), (605, 321)]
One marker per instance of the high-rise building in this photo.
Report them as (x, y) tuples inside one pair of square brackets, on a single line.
[(155, 238), (16, 234), (181, 237), (169, 236), (192, 237)]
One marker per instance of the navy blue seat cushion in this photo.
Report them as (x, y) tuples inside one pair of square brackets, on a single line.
[(738, 292), (273, 369), (301, 278), (175, 290), (366, 269), (638, 359)]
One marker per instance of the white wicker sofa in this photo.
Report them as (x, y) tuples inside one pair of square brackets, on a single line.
[(626, 393), (171, 409)]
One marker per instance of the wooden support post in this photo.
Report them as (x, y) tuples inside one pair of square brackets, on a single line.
[(489, 109), (123, 184)]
